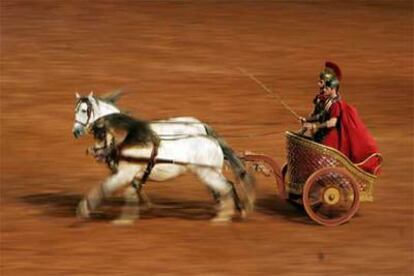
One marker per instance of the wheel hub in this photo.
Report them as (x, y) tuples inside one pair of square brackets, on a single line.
[(331, 196)]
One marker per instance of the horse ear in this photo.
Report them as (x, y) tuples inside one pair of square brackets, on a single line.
[(90, 94), (77, 96)]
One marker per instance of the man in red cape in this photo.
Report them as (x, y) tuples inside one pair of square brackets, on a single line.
[(340, 127)]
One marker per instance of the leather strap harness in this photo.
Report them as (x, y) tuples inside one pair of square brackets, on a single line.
[(150, 165)]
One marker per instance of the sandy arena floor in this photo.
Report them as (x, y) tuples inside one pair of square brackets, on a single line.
[(179, 58)]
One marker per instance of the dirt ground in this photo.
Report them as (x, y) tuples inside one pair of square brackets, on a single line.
[(175, 58)]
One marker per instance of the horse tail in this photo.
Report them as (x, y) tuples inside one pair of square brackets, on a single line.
[(237, 167)]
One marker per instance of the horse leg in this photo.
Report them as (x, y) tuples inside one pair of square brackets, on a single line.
[(113, 183), (238, 203), (142, 196), (216, 181), (90, 202), (130, 210), (145, 199), (226, 207), (216, 195)]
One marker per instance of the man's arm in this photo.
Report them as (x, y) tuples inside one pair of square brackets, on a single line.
[(311, 118), (327, 124)]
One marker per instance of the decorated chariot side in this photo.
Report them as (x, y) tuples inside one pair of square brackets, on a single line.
[(322, 179)]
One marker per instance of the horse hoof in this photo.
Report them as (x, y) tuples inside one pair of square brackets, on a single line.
[(123, 222), (243, 214), (221, 219)]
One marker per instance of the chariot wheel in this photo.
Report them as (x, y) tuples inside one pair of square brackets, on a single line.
[(331, 196)]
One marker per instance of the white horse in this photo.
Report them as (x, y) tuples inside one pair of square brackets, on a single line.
[(186, 142)]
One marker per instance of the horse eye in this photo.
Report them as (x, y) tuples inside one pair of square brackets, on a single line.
[(83, 111)]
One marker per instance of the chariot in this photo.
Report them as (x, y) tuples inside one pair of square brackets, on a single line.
[(321, 179)]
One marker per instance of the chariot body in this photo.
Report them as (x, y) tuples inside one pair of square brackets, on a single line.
[(321, 179)]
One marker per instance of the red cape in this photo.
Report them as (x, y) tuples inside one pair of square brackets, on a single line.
[(353, 139)]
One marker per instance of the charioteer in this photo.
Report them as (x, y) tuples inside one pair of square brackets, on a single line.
[(319, 115), (336, 124)]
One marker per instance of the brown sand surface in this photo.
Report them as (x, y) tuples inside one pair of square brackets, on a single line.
[(176, 58)]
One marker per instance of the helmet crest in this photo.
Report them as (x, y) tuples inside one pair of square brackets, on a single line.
[(333, 68)]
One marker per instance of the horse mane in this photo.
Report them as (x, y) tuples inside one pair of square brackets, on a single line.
[(138, 132), (111, 97)]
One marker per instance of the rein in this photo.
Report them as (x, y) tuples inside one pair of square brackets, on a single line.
[(174, 137), (140, 160)]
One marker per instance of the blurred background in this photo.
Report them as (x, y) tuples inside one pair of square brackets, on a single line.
[(179, 58)]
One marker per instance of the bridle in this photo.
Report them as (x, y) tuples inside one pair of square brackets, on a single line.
[(89, 110)]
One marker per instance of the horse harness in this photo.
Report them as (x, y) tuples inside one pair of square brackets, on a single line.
[(150, 165), (111, 155)]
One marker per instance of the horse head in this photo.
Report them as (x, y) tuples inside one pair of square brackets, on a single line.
[(90, 108)]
